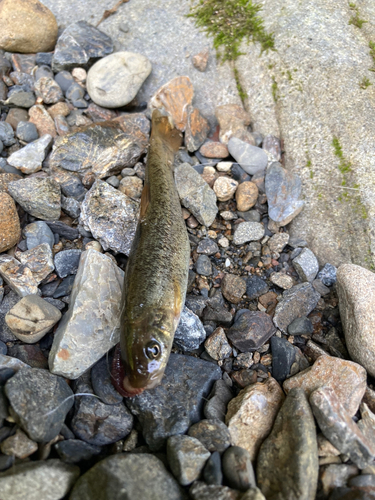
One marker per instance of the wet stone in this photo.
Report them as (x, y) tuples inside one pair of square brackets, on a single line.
[(30, 158), (203, 266), (75, 451), (217, 345), (39, 197), (38, 233), (213, 434), (248, 231), (18, 445), (251, 158), (251, 330), (177, 403), (202, 491), (66, 262), (190, 333), (306, 265), (207, 246), (237, 468), (255, 287), (328, 275), (301, 326), (101, 381), (233, 288), (283, 357), (186, 457), (216, 406), (212, 473), (26, 132), (32, 393), (197, 129)]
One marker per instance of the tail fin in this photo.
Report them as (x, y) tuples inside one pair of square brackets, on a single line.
[(162, 128)]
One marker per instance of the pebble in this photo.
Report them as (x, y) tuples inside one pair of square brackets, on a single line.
[(298, 301), (38, 233), (200, 60), (47, 89), (346, 378), (211, 149), (6, 134), (6, 305), (75, 451), (246, 196), (203, 266), (328, 275), (71, 207), (306, 265), (237, 468), (207, 246), (283, 357), (31, 318), (18, 277), (301, 326), (78, 44), (190, 333), (32, 393), (186, 457), (75, 93), (129, 68), (20, 98), (233, 288), (110, 216), (40, 197), (202, 491), (250, 415), (216, 406), (66, 262), (251, 158), (18, 445), (131, 186), (26, 132), (339, 428), (283, 190), (271, 144), (59, 109), (82, 337), (282, 280), (251, 330), (29, 159), (10, 230), (255, 287), (44, 479), (177, 403), (248, 231), (224, 188), (212, 473), (16, 115), (197, 129), (223, 242), (213, 434), (174, 97), (135, 476), (278, 242), (288, 458), (40, 117), (233, 121), (101, 381), (195, 194), (217, 345)]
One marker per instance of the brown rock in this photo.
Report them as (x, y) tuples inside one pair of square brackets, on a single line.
[(42, 120), (197, 129), (224, 188), (99, 114), (213, 149), (325, 448), (233, 288), (48, 90), (268, 299), (61, 125), (251, 330), (27, 26), (19, 445), (5, 179), (244, 377), (174, 97), (346, 378), (59, 109), (15, 116), (217, 345), (131, 186), (251, 414), (246, 196), (209, 175), (200, 60), (10, 230), (233, 121)]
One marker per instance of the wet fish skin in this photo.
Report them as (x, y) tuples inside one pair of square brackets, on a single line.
[(157, 270)]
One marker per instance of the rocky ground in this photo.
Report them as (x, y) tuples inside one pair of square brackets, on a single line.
[(268, 392)]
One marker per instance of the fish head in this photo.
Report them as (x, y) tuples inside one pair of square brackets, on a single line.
[(146, 344)]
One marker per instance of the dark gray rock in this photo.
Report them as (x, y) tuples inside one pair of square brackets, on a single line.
[(74, 93), (27, 132), (190, 332), (216, 310), (203, 266), (283, 356), (6, 462), (43, 71), (38, 233), (255, 287), (101, 382), (301, 326), (6, 134), (212, 473), (71, 206), (186, 457), (195, 303), (9, 301), (249, 216), (63, 230), (207, 247), (239, 174), (64, 288), (38, 196), (3, 348), (55, 302), (328, 275), (78, 44), (251, 330), (64, 79), (67, 261), (213, 434), (40, 402), (202, 491), (306, 265), (74, 450), (237, 468), (362, 481), (177, 403), (216, 406), (287, 464), (44, 58)]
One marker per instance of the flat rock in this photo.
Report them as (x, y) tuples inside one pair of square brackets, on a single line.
[(306, 265), (190, 333), (251, 158), (31, 318), (38, 196), (283, 190), (39, 260), (103, 148), (346, 378), (212, 433), (203, 491), (63, 230), (298, 301), (248, 231), (195, 194), (177, 403), (85, 334), (283, 357), (250, 415), (203, 265), (38, 233), (78, 44), (18, 445), (48, 479), (356, 286), (110, 216), (19, 277), (197, 129), (10, 230), (287, 466), (186, 457), (135, 476), (40, 402), (103, 78), (29, 159), (251, 330)]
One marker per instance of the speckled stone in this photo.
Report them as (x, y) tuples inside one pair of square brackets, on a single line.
[(224, 188), (10, 230), (186, 457), (40, 197), (217, 345), (233, 288), (278, 242), (282, 280), (246, 196), (248, 231), (306, 265), (30, 158)]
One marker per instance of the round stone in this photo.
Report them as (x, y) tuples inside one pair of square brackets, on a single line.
[(233, 288), (224, 188), (211, 149), (115, 80), (27, 132), (131, 186), (246, 196), (10, 230)]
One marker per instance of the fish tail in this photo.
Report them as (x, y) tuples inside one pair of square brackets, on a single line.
[(163, 128)]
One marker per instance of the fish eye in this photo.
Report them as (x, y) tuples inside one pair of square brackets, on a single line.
[(153, 350)]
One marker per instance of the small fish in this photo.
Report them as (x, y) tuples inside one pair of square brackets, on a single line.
[(157, 271)]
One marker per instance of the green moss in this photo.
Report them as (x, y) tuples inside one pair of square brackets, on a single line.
[(355, 19), (372, 54), (290, 78), (365, 83), (230, 22), (274, 89), (241, 92), (344, 165)]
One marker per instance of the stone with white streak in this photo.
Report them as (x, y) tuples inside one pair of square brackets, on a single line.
[(29, 159), (19, 277)]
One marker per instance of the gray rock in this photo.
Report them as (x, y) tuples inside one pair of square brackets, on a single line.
[(195, 194), (19, 98), (29, 159), (251, 158), (283, 357), (6, 305), (301, 326), (216, 310), (306, 265), (49, 479), (48, 90), (177, 403), (39, 260), (328, 275), (71, 206), (272, 145), (110, 216), (40, 402), (186, 457), (250, 216), (102, 383), (237, 468), (127, 475), (75, 93), (299, 301), (335, 477), (212, 470), (103, 78), (64, 288), (207, 246), (67, 261), (283, 190), (287, 464), (190, 333), (38, 233), (203, 266), (63, 230), (251, 330), (19, 277), (278, 242), (320, 288), (38, 196), (18, 445), (59, 304), (78, 45), (339, 428), (7, 362), (74, 450), (202, 491), (27, 132), (3, 348), (248, 231), (6, 134), (216, 406), (255, 287), (86, 333), (212, 433), (114, 181), (64, 80)]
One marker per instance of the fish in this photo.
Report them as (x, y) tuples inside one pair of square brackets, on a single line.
[(156, 275)]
